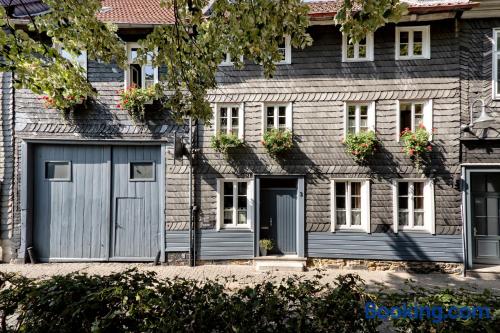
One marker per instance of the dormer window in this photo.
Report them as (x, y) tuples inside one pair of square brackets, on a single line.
[(360, 51), (139, 75)]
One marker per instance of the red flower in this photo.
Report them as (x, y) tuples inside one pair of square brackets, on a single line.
[(119, 106), (411, 152), (262, 142), (429, 148)]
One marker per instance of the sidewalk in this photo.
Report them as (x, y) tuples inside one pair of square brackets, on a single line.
[(245, 274)]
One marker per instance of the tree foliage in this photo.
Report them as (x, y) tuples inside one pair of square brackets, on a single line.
[(191, 49)]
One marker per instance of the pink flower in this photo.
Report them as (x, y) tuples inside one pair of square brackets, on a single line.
[(429, 148), (421, 126), (119, 106)]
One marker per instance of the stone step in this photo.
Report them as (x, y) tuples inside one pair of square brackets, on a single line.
[(280, 263), (485, 272)]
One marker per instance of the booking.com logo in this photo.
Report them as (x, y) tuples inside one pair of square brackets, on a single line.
[(435, 313)]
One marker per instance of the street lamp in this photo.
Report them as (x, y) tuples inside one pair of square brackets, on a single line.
[(484, 118)]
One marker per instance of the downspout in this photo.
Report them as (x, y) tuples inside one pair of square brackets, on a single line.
[(463, 187), (190, 189)]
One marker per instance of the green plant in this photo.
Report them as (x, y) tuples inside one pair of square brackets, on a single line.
[(134, 100), (362, 145), (266, 244), (224, 142), (416, 144), (277, 141)]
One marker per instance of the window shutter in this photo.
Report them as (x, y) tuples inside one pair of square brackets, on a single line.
[(241, 121), (332, 207), (395, 206), (371, 116), (428, 117), (365, 205), (219, 204), (429, 216)]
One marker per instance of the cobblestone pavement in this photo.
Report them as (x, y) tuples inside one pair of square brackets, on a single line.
[(246, 274)]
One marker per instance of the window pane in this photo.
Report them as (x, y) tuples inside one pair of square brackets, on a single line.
[(149, 75), (403, 43), (282, 111), (403, 203), (402, 188), (270, 118), (142, 170), (355, 202), (136, 75), (356, 217), (242, 202), (418, 202), (340, 202), (340, 188), (417, 49), (242, 216), (228, 201), (341, 217), (362, 51), (242, 188), (417, 37), (356, 188), (228, 188), (133, 54), (282, 122), (403, 218), (418, 219), (498, 75), (418, 189), (363, 121), (58, 170), (403, 49), (350, 51), (419, 114), (228, 216), (405, 116), (351, 120)]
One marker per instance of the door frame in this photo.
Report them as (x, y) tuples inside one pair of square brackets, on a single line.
[(27, 146), (300, 234), (468, 237)]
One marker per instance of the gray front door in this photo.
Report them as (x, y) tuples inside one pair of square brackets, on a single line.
[(96, 203), (278, 219), (485, 209)]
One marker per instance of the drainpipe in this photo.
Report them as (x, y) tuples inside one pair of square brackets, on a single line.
[(464, 220), (190, 189)]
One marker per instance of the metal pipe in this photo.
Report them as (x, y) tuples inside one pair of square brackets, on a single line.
[(190, 189)]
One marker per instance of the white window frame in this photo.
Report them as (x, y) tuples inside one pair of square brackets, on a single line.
[(427, 116), (128, 81), (241, 118), (371, 115), (220, 202), (289, 115), (83, 64), (369, 49), (288, 52), (426, 42), (365, 206), (228, 60), (429, 210), (495, 56)]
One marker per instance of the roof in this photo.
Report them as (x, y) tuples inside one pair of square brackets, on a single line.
[(328, 8), (149, 12)]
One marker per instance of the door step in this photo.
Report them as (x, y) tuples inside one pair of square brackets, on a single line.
[(280, 263), (485, 272)]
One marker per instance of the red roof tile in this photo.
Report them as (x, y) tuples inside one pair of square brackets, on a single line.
[(135, 12), (150, 11)]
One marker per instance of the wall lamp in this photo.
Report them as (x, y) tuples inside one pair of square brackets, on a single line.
[(484, 118)]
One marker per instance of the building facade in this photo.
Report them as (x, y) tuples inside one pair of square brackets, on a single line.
[(101, 188)]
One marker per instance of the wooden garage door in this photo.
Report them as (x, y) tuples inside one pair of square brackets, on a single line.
[(96, 202)]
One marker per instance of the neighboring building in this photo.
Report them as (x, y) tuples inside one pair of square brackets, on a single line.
[(102, 188)]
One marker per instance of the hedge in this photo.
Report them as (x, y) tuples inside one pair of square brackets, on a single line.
[(140, 302)]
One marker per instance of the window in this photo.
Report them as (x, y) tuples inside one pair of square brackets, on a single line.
[(80, 59), (359, 117), (413, 113), (285, 48), (229, 118), (351, 205), (58, 170), (413, 43), (235, 203), (361, 51), (277, 116), (414, 205), (142, 171), (142, 76), (496, 63), (227, 60)]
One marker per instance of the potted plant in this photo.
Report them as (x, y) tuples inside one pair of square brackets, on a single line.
[(264, 246), (361, 145), (224, 143), (277, 142), (134, 100), (416, 145)]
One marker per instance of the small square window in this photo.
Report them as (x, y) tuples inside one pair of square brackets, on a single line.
[(58, 171), (360, 51), (142, 171), (413, 43)]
